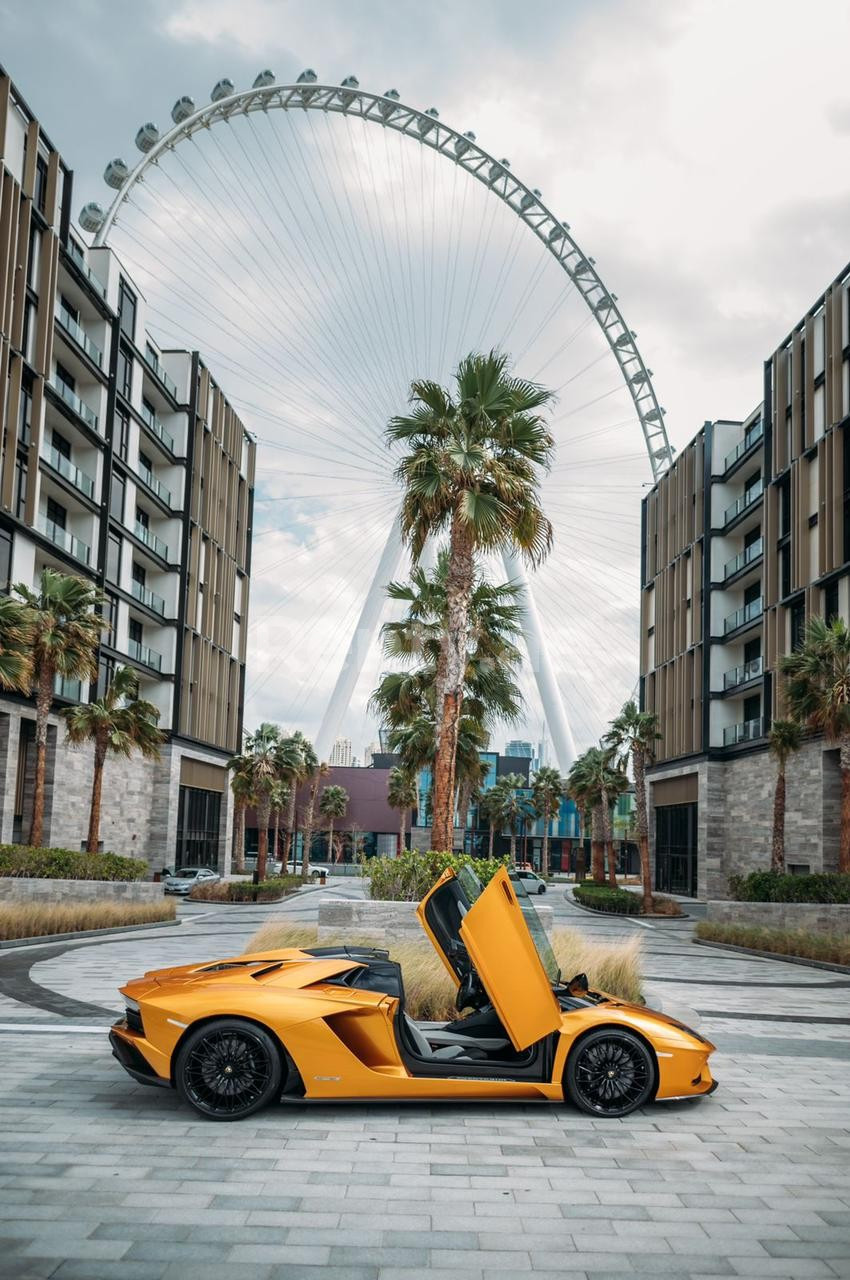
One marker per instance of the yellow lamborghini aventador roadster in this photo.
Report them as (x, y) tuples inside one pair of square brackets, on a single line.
[(329, 1023)]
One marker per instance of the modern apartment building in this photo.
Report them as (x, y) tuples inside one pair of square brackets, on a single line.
[(745, 538), (123, 463)]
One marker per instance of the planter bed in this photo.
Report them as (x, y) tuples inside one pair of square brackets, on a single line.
[(815, 917), (610, 898), (42, 939), (772, 955)]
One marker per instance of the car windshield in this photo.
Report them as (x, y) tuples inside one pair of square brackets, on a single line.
[(187, 873), (472, 888)]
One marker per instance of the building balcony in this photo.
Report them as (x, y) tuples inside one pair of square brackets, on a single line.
[(154, 425), (141, 653), (743, 674), (65, 688), (79, 335), (150, 481), (148, 598), (156, 545), (62, 538), (79, 406), (80, 262), (159, 373), (747, 556), (746, 500), (746, 731), (751, 436), (748, 613), (72, 474)]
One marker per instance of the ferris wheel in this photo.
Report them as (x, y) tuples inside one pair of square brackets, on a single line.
[(322, 262)]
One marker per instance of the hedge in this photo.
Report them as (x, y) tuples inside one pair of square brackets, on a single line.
[(768, 886), (603, 898), (66, 864), (826, 947), (409, 877), (245, 890)]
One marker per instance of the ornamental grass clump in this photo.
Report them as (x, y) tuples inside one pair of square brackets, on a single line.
[(829, 948), (35, 920), (430, 993)]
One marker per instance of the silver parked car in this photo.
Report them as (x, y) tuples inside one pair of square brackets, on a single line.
[(184, 880), (532, 882)]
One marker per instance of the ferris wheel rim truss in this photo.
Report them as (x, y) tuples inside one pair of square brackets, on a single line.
[(554, 234)]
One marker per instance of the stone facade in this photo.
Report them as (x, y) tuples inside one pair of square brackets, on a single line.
[(383, 922), (15, 889), (735, 813), (814, 917)]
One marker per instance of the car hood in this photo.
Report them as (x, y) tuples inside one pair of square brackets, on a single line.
[(289, 968)]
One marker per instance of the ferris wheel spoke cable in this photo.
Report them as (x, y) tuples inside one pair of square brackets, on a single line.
[(569, 293), (565, 345), (370, 506)]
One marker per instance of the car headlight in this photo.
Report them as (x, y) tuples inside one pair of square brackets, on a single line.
[(132, 1005)]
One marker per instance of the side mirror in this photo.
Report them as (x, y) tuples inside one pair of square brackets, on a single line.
[(577, 986)]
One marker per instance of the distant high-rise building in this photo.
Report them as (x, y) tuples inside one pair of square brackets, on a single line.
[(517, 747), (370, 750), (341, 753)]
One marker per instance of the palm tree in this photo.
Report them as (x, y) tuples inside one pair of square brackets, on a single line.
[(632, 736), (333, 804), (472, 468), (309, 817), (278, 800), (242, 788), (817, 694), (576, 789), (308, 762), (472, 774), (547, 787), (15, 638), (489, 808), (118, 723), (402, 794), (261, 749), (508, 806), (785, 737), (593, 783), (64, 639)]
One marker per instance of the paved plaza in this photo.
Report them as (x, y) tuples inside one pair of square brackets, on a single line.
[(105, 1178)]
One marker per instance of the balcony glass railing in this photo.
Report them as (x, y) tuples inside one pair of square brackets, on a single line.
[(746, 614), (62, 538), (148, 598), (747, 556), (153, 424), (751, 436), (740, 675), (141, 653), (157, 546), (78, 333), (746, 731), (65, 688), (79, 406), (150, 481), (746, 500), (73, 474), (156, 368), (79, 258)]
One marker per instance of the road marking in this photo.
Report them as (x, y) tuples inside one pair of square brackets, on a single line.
[(58, 1030), (644, 924)]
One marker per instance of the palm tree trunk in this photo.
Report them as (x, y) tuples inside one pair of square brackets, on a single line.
[(459, 583), (639, 765), (513, 846), (263, 814), (239, 837), (777, 851), (331, 855), (276, 832), (844, 843), (290, 822), (608, 838), (544, 857), (597, 847), (96, 793), (308, 831), (492, 839), (43, 702), (401, 832)]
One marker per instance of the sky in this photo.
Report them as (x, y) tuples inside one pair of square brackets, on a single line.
[(699, 150)]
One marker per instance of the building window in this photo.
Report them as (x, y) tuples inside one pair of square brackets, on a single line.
[(66, 377), (56, 513), (830, 601), (105, 672), (5, 560), (20, 487), (143, 518), (116, 497), (785, 570), (198, 828), (798, 624), (28, 336), (139, 574), (60, 444), (135, 631), (121, 436), (34, 252), (110, 614), (40, 189), (785, 506), (113, 558), (127, 310), (25, 414), (145, 461), (124, 373)]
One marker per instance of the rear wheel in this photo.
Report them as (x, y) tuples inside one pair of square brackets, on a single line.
[(228, 1069), (610, 1073)]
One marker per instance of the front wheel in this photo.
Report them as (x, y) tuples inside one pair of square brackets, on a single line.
[(610, 1073), (542, 889), (228, 1069)]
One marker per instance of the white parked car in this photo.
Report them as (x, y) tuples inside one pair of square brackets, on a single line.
[(530, 880), (184, 880)]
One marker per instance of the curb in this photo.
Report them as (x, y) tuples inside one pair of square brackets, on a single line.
[(772, 955), (45, 939), (623, 915)]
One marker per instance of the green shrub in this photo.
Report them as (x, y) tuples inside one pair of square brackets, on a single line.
[(409, 877), (66, 864), (830, 948), (245, 890), (767, 886), (601, 897)]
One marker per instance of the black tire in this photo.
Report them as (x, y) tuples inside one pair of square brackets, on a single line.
[(228, 1069), (542, 889), (610, 1073)]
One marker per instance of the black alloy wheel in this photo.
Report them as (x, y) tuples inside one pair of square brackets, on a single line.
[(228, 1069), (610, 1073)]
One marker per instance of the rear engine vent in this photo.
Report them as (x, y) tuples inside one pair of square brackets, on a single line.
[(134, 1021)]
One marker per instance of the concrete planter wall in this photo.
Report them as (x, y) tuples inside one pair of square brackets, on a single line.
[(23, 889), (815, 917), (382, 922)]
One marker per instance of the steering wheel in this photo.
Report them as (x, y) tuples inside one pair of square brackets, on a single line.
[(470, 992)]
